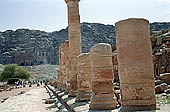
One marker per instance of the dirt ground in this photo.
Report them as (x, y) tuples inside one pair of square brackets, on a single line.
[(6, 94), (31, 101)]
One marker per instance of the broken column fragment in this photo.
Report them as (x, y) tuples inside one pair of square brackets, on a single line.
[(103, 97), (83, 77), (135, 65), (74, 34)]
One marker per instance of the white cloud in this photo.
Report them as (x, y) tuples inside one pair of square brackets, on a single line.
[(167, 12), (35, 1), (168, 1)]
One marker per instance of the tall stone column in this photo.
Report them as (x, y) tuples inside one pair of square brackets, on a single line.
[(83, 77), (103, 97), (74, 34), (135, 65)]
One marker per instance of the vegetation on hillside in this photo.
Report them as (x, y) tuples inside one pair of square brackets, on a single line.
[(14, 71)]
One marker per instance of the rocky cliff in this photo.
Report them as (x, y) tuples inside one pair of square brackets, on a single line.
[(34, 47)]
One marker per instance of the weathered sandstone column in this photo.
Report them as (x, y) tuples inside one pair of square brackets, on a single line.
[(67, 65), (83, 77), (74, 34), (59, 70), (135, 65), (102, 77), (62, 66)]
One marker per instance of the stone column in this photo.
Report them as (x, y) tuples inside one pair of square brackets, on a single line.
[(103, 97), (67, 65), (74, 34), (135, 65), (59, 70), (62, 66), (83, 77)]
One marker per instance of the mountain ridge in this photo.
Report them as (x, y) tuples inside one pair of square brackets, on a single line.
[(34, 47)]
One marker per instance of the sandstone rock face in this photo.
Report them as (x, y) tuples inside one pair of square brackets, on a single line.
[(102, 78), (27, 47), (162, 61), (156, 60), (33, 47), (115, 64), (74, 34), (165, 77), (83, 77), (161, 88), (135, 65)]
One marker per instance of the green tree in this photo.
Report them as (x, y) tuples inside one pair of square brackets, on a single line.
[(21, 73), (8, 72), (14, 71)]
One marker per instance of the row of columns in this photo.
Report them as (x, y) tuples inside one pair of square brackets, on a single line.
[(89, 76)]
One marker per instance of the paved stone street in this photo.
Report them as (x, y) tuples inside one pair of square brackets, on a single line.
[(31, 101)]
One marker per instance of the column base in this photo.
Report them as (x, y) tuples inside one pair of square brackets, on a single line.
[(67, 90), (137, 108), (72, 93), (103, 102), (83, 96), (62, 88)]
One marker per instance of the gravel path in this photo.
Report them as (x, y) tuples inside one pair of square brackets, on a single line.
[(31, 101), (6, 94)]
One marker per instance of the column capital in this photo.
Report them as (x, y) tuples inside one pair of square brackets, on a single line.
[(71, 0)]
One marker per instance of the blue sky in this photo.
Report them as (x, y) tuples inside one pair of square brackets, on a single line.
[(51, 15)]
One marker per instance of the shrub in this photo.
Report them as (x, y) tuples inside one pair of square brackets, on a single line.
[(21, 73), (8, 72), (14, 71)]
